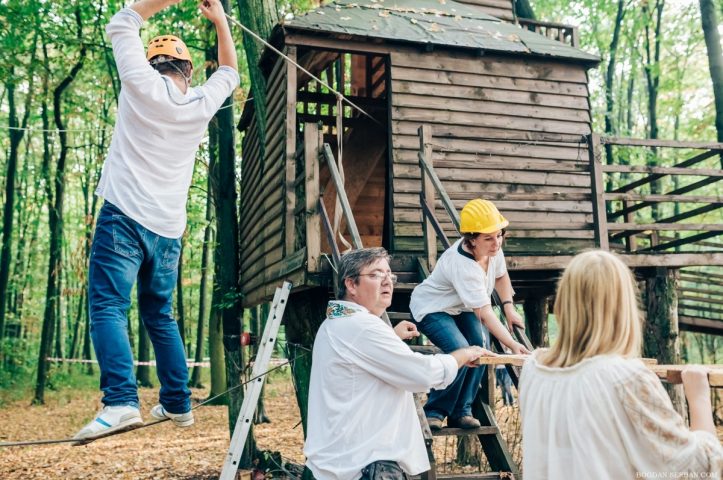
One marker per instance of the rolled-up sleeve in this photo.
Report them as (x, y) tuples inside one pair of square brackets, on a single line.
[(379, 352)]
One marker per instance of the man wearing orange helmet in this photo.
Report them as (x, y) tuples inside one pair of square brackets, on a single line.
[(454, 309), (160, 123)]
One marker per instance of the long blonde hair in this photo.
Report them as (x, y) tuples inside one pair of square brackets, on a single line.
[(596, 310)]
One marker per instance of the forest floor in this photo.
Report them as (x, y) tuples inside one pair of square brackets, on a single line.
[(161, 451)]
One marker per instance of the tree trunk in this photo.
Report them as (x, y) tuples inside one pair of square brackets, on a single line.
[(536, 311), (203, 288), (610, 80), (16, 135), (259, 314), (143, 372), (180, 316), (304, 314), (662, 340), (715, 59), (260, 16), (652, 76), (55, 214)]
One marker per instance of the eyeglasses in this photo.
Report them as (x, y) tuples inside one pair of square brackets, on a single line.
[(379, 276)]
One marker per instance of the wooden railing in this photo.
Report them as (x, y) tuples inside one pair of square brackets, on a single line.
[(566, 34), (637, 197), (700, 300), (432, 229)]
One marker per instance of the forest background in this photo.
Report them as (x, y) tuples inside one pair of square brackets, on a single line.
[(58, 98)]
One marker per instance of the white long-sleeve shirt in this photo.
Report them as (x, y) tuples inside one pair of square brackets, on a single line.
[(148, 169), (607, 417), (361, 408)]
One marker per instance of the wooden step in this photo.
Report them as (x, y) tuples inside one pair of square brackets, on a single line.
[(448, 432)]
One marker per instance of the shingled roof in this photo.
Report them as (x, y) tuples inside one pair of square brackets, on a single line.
[(431, 22)]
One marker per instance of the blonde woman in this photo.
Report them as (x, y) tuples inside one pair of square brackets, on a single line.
[(591, 409)]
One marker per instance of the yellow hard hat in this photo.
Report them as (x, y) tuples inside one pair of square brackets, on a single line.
[(169, 46), (481, 216)]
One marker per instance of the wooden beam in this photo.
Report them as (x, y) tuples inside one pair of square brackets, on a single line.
[(703, 172), (598, 192), (683, 227), (642, 142), (679, 191), (427, 197), (446, 202), (672, 374), (290, 157), (686, 163), (681, 241), (312, 144), (341, 195), (559, 262), (336, 255), (713, 199)]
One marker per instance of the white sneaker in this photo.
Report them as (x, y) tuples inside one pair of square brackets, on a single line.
[(111, 420), (178, 419)]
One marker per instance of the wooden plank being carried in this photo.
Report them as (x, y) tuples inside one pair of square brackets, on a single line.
[(666, 373)]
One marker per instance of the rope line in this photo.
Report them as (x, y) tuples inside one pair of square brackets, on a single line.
[(146, 425), (97, 129), (338, 94)]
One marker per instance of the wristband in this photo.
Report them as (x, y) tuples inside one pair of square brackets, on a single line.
[(506, 302)]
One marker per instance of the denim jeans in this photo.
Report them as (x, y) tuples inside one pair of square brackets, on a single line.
[(450, 333), (124, 252)]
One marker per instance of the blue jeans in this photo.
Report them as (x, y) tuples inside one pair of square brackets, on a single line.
[(123, 251), (450, 333)]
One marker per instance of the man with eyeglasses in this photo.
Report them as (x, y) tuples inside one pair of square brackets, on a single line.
[(362, 421)]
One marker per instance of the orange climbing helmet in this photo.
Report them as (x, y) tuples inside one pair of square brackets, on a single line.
[(481, 216), (166, 48)]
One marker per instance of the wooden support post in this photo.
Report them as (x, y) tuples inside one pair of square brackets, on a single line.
[(290, 171), (312, 145), (536, 310), (430, 238), (598, 190), (662, 339)]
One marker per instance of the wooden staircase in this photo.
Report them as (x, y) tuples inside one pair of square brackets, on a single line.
[(489, 435)]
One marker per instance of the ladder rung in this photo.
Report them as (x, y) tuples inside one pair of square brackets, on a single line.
[(465, 431)]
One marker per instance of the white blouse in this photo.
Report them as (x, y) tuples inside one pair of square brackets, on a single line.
[(457, 284), (607, 417)]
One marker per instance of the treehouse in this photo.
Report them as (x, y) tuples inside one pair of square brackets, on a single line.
[(446, 102), (402, 112)]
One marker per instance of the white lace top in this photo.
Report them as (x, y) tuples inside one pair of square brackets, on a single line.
[(607, 417)]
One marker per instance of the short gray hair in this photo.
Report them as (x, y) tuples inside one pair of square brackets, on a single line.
[(352, 263)]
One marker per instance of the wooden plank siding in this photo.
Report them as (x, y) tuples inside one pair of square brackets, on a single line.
[(501, 9), (508, 129), (263, 201)]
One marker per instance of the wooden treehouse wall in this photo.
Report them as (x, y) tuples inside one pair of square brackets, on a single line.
[(503, 128), (263, 196), (497, 8)]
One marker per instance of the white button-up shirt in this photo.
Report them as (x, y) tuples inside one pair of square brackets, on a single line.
[(361, 407)]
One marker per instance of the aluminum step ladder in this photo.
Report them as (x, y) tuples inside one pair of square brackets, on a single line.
[(253, 391)]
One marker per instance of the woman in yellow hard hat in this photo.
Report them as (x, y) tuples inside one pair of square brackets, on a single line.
[(453, 307)]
